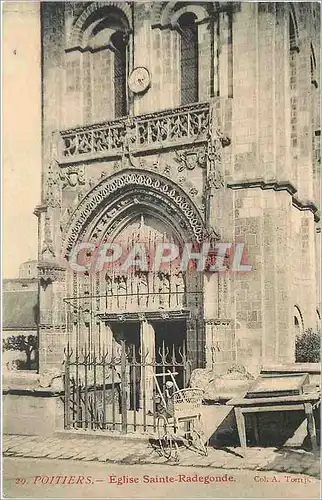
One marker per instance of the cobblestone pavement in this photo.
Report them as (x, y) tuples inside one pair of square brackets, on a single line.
[(124, 451)]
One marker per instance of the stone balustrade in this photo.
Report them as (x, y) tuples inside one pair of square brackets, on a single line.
[(182, 125)]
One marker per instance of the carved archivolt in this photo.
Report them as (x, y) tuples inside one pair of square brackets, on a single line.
[(129, 188)]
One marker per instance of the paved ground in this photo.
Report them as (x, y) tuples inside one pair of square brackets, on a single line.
[(31, 478), (122, 451)]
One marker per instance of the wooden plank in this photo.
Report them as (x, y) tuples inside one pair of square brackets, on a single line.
[(240, 419), (292, 368), (311, 425), (262, 409), (305, 398)]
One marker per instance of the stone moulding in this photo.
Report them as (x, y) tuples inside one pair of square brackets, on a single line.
[(278, 186), (148, 316), (219, 322)]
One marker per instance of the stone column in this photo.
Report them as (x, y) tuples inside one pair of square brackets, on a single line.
[(106, 338), (210, 312), (147, 341)]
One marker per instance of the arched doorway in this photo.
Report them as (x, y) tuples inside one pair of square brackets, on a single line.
[(144, 207), (155, 313)]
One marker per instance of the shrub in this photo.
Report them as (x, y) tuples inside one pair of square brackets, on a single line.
[(308, 347), (23, 343)]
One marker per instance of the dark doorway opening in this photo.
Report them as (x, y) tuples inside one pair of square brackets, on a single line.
[(170, 342), (128, 332)]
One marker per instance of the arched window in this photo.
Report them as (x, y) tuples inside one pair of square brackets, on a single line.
[(118, 41), (99, 49), (189, 58)]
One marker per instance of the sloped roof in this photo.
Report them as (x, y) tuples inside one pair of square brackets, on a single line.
[(20, 309)]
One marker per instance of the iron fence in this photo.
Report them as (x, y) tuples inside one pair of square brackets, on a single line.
[(114, 389)]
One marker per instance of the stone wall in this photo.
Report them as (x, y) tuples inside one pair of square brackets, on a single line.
[(31, 415)]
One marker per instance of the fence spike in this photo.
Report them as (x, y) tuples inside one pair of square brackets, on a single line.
[(163, 350), (173, 355)]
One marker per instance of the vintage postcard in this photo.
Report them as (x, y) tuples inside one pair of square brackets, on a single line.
[(161, 249)]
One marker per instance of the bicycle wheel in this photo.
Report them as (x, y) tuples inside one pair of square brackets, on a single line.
[(164, 436)]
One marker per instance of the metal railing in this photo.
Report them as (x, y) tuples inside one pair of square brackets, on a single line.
[(114, 389)]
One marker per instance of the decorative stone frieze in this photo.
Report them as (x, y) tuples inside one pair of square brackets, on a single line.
[(124, 136)]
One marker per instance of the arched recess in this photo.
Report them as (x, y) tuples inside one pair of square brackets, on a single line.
[(93, 15), (179, 24), (113, 199)]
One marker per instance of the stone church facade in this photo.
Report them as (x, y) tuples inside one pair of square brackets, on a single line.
[(221, 144)]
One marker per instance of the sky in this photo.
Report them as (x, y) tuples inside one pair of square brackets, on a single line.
[(21, 133)]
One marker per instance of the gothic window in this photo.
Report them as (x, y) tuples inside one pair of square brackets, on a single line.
[(119, 44), (189, 58)]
